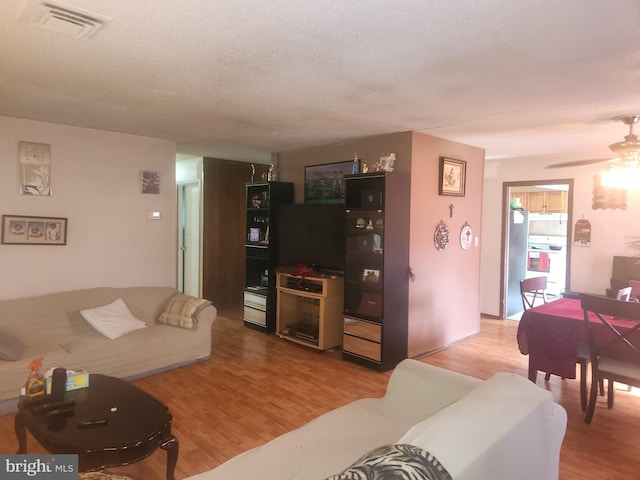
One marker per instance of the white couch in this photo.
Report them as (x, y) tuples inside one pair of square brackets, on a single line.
[(51, 326), (504, 428)]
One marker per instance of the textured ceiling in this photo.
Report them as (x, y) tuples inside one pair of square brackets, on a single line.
[(239, 79)]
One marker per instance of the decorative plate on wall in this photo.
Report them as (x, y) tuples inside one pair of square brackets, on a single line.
[(441, 236), (465, 236)]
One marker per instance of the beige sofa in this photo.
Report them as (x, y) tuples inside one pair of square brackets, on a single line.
[(504, 428), (52, 327)]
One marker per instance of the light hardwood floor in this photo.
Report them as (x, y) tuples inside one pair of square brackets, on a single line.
[(258, 386)]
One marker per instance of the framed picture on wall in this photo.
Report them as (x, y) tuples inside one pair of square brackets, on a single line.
[(452, 177), (325, 183), (150, 182), (24, 230), (35, 168)]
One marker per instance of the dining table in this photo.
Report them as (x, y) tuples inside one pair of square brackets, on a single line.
[(551, 334)]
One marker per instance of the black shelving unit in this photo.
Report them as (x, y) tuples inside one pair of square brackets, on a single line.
[(376, 283), (261, 235)]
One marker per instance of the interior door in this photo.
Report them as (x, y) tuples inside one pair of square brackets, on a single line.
[(558, 218), (189, 251)]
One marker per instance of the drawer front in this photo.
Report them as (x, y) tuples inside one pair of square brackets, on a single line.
[(256, 301), (255, 316), (362, 347), (366, 330)]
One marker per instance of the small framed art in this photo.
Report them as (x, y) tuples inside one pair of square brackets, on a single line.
[(371, 276), (150, 182), (452, 177), (35, 168), (24, 230)]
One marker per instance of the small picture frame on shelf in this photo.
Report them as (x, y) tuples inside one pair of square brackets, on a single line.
[(452, 177), (254, 234), (370, 275), (256, 201)]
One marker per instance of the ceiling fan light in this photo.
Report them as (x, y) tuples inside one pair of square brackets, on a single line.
[(621, 176), (631, 145), (629, 150)]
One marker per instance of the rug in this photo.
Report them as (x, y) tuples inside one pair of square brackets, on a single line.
[(102, 476)]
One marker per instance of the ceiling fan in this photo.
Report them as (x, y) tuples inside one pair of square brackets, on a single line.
[(627, 151)]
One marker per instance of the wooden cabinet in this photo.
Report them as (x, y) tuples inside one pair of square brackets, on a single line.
[(376, 279), (309, 310), (556, 202), (261, 251), (542, 201)]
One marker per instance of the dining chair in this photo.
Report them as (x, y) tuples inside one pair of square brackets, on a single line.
[(531, 289), (624, 294), (615, 351), (635, 290)]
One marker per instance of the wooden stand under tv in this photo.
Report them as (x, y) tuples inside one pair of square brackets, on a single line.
[(323, 308)]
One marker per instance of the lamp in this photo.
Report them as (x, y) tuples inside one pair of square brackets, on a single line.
[(624, 171)]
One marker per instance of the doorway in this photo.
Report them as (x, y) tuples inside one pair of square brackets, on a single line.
[(536, 239), (189, 251)]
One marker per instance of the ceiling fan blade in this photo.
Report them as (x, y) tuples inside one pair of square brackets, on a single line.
[(578, 163)]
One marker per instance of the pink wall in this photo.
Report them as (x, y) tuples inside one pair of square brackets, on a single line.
[(444, 299), (444, 305)]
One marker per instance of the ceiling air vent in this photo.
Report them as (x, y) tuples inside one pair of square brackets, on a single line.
[(65, 19)]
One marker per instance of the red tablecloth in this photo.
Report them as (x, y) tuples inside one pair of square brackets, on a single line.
[(551, 333)]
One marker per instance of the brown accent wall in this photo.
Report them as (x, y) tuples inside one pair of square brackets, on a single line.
[(223, 252)]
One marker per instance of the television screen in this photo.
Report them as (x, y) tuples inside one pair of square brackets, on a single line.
[(313, 235)]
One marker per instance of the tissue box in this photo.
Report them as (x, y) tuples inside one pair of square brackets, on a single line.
[(75, 379)]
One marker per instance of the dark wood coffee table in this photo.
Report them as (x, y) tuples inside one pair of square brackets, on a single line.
[(137, 424)]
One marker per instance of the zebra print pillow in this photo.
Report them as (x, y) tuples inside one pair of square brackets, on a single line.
[(395, 462)]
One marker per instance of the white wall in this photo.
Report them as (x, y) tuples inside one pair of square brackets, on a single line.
[(95, 182), (188, 169), (590, 266)]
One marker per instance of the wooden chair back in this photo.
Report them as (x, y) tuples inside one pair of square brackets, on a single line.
[(617, 343), (635, 290), (615, 349), (531, 289)]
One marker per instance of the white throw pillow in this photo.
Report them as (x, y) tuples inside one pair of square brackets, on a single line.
[(112, 320)]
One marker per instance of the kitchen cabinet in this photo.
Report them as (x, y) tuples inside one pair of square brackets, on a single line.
[(543, 201)]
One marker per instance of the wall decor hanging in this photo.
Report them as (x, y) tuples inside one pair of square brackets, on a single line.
[(607, 197), (441, 236), (35, 168), (582, 233), (150, 182), (452, 177), (465, 236), (26, 230)]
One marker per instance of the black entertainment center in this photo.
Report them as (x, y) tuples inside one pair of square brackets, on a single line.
[(332, 275)]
